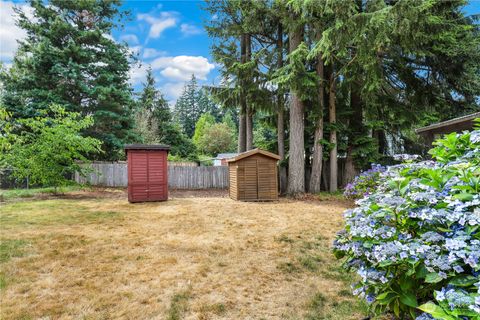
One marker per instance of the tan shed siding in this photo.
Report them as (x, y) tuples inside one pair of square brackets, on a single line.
[(241, 182), (276, 181), (254, 177), (266, 185), (233, 181), (250, 179)]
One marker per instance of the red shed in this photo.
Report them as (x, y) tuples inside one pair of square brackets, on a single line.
[(147, 172)]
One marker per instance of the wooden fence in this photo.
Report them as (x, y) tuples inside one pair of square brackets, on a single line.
[(115, 174), (197, 177)]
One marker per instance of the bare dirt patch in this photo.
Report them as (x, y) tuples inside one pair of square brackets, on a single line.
[(97, 257)]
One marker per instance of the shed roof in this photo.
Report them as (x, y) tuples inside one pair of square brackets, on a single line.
[(146, 147), (456, 124), (252, 152)]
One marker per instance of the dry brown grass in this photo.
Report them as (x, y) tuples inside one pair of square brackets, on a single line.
[(188, 258)]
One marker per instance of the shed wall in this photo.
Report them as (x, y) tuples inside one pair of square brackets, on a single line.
[(254, 178)]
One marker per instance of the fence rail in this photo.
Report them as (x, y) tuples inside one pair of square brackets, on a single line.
[(179, 177)]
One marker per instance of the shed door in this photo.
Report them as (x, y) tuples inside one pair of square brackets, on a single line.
[(137, 176), (147, 180), (266, 179), (157, 176), (250, 176)]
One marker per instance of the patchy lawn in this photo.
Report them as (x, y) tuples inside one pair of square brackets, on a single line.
[(15, 194), (91, 257)]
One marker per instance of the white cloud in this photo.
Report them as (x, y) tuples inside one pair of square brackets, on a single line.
[(137, 73), (189, 29), (152, 53), (135, 50), (9, 32), (181, 68), (158, 25), (173, 90), (129, 38)]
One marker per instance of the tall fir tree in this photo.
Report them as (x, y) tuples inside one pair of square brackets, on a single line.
[(207, 105), (155, 122), (238, 51), (68, 58), (186, 110)]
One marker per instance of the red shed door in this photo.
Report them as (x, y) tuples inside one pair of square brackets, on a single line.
[(147, 176), (157, 176)]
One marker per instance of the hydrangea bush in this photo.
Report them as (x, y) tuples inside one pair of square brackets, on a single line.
[(365, 183), (415, 240)]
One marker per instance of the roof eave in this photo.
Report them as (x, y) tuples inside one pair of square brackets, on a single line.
[(450, 122)]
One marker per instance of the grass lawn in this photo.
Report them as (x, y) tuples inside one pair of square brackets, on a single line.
[(98, 257), (10, 194)]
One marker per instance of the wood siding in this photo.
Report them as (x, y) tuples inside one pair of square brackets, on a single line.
[(254, 178), (147, 175)]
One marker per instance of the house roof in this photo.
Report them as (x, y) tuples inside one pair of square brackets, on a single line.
[(252, 152), (146, 147), (456, 124), (225, 156)]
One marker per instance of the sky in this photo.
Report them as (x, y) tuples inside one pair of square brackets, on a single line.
[(167, 35)]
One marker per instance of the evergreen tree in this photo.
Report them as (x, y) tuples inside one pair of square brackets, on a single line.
[(207, 105), (146, 124), (239, 52), (154, 122), (296, 164), (68, 59), (186, 110)]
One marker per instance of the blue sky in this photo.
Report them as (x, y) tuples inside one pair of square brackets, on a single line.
[(170, 37), (167, 35)]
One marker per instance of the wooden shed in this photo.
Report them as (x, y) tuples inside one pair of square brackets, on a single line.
[(253, 176), (434, 131), (147, 172)]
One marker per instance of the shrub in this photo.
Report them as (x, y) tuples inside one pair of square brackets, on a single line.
[(47, 148), (216, 138), (415, 240), (365, 183)]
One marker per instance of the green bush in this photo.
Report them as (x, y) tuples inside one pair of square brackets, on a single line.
[(48, 149)]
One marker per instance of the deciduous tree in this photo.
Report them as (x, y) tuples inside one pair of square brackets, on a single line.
[(47, 153)]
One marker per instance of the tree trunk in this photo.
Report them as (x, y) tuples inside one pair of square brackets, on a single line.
[(356, 130), (249, 115), (350, 170), (333, 133), (241, 131), (325, 174), (317, 161), (249, 129), (355, 122), (296, 161), (282, 170), (242, 142)]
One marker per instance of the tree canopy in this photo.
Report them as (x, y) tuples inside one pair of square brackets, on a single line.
[(69, 59), (355, 76)]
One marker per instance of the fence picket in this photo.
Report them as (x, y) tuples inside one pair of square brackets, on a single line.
[(179, 177)]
